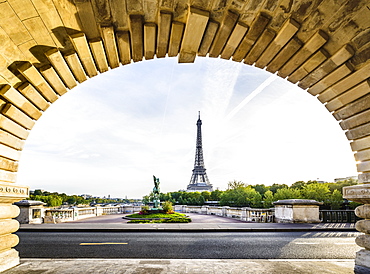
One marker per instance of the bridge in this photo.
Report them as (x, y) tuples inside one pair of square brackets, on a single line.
[(48, 47)]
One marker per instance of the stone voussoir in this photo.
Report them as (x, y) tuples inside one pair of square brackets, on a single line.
[(363, 211), (363, 226), (363, 241), (363, 258)]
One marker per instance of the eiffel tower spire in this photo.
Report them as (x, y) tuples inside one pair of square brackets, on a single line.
[(199, 180)]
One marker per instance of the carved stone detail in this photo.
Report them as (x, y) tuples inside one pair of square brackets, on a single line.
[(357, 193), (10, 193)]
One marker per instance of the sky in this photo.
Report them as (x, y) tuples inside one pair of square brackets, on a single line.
[(112, 133)]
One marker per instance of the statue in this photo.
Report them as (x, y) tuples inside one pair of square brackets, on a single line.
[(156, 191)]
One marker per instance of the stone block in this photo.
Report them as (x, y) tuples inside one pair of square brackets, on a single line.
[(364, 178), (8, 226), (363, 226), (363, 241), (357, 193), (361, 270), (98, 52), (8, 211), (8, 241), (194, 30), (363, 211), (8, 259), (297, 211), (363, 258)]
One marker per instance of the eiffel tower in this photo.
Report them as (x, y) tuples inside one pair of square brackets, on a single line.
[(199, 180)]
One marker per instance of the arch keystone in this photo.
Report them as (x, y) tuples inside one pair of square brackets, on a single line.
[(196, 24)]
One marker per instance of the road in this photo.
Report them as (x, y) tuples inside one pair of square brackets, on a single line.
[(171, 245)]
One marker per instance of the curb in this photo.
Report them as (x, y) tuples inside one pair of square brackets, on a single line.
[(118, 230)]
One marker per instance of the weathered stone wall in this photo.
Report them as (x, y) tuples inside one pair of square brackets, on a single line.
[(47, 47)]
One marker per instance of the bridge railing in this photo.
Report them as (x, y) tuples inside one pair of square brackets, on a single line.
[(240, 213), (61, 215), (338, 216)]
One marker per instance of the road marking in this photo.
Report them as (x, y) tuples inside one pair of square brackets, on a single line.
[(103, 243)]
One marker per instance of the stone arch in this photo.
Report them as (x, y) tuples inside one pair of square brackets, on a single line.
[(47, 47)]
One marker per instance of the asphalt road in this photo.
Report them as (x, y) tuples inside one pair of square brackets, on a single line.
[(167, 245)]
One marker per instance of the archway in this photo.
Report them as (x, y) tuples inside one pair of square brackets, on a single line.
[(47, 47), (108, 135)]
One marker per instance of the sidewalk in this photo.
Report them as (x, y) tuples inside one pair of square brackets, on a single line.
[(180, 266)]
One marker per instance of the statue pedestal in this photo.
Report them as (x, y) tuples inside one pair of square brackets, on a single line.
[(155, 210)]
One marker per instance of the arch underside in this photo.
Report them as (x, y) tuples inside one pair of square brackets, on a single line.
[(49, 46)]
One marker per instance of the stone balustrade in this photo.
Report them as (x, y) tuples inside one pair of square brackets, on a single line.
[(71, 214), (243, 213)]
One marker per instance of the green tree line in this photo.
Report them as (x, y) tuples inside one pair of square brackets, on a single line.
[(239, 194), (55, 199)]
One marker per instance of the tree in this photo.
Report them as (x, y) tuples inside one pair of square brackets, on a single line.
[(268, 199), (287, 193), (240, 196), (256, 200), (340, 184), (299, 184), (235, 184), (261, 189), (71, 200), (274, 188), (37, 192), (216, 195), (206, 195), (335, 200), (316, 191)]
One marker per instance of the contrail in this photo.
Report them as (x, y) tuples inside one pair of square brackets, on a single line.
[(253, 94)]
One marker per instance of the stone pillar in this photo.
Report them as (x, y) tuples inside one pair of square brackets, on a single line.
[(297, 211), (244, 214), (9, 193), (31, 212), (361, 194)]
